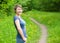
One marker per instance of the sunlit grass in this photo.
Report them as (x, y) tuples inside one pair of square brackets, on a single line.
[(8, 31), (51, 20)]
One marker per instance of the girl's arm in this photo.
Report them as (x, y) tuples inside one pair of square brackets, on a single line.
[(19, 29)]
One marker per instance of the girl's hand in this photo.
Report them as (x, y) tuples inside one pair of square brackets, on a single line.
[(24, 39)]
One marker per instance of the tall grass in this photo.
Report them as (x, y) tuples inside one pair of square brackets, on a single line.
[(51, 20), (8, 31)]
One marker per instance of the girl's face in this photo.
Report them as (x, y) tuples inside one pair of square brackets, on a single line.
[(19, 10)]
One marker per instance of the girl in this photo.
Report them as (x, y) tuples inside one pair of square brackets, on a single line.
[(20, 25)]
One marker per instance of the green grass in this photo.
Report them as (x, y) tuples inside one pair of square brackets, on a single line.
[(8, 31), (51, 20), (33, 30)]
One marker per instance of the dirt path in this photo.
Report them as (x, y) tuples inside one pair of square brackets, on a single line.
[(43, 28)]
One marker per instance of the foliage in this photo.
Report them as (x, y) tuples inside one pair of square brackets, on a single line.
[(46, 5)]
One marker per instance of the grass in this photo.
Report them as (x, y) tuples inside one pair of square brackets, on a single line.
[(8, 31), (51, 20)]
